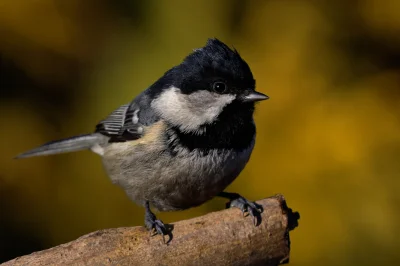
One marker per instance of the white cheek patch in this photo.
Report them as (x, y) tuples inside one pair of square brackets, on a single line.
[(190, 111)]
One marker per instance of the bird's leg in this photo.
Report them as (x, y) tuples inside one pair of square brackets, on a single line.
[(153, 224), (247, 207)]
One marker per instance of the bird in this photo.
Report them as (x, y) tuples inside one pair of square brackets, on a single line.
[(182, 140)]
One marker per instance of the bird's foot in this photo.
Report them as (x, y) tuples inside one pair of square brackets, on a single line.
[(154, 225), (247, 207)]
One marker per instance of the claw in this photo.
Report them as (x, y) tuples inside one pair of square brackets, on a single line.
[(247, 207), (160, 229), (155, 226)]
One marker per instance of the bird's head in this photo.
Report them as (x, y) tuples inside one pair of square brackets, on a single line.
[(212, 84)]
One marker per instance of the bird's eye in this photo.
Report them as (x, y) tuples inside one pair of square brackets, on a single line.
[(219, 87)]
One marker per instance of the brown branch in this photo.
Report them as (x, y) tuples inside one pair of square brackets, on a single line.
[(218, 238)]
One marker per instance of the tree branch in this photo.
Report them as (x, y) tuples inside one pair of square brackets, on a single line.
[(218, 238)]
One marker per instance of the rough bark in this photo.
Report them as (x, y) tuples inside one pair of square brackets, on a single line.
[(219, 238)]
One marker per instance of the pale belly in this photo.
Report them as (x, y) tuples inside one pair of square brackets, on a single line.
[(171, 181)]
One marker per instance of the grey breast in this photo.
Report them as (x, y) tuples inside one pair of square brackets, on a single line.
[(147, 170)]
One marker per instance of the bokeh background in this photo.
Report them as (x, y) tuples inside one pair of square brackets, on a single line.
[(328, 138)]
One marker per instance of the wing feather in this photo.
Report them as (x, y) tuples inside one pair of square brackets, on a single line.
[(112, 125), (126, 122)]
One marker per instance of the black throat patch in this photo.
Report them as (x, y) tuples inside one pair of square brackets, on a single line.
[(234, 129)]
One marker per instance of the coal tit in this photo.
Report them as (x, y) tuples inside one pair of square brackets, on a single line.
[(183, 140)]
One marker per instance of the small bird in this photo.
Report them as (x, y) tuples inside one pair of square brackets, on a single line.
[(181, 141)]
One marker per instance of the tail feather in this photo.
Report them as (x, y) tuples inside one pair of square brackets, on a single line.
[(76, 143)]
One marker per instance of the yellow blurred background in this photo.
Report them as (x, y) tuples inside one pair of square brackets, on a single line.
[(328, 139)]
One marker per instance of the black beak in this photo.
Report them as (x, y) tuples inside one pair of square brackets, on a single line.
[(254, 96)]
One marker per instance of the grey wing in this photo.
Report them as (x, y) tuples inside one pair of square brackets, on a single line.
[(126, 123)]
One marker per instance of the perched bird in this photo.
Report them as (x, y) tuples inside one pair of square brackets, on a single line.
[(183, 140)]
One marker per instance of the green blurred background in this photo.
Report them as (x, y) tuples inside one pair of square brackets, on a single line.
[(328, 139)]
